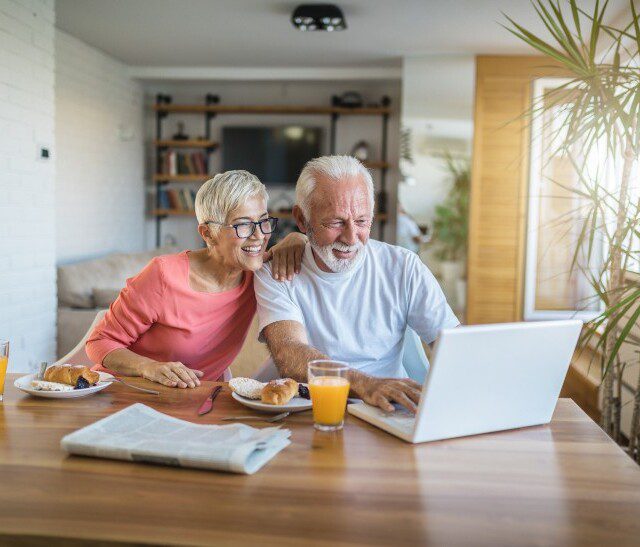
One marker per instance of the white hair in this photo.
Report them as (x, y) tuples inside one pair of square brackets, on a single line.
[(334, 168), (224, 193)]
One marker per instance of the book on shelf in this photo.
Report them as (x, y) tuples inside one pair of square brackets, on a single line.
[(189, 164), (174, 202), (174, 199), (189, 196), (184, 204), (163, 200), (201, 166), (183, 163)]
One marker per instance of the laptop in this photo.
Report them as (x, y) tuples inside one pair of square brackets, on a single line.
[(485, 378)]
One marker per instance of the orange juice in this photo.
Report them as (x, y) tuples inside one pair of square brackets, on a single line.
[(4, 361), (329, 398)]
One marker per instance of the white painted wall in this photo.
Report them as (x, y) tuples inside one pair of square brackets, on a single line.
[(100, 153), (437, 106), (350, 129), (27, 220)]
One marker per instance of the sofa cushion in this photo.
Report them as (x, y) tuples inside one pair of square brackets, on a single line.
[(73, 324), (103, 298), (77, 281)]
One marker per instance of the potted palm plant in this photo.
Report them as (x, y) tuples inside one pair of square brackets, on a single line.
[(602, 111)]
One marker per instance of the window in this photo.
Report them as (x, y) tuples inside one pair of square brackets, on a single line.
[(553, 288)]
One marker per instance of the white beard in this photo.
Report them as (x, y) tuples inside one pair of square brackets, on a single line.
[(337, 265)]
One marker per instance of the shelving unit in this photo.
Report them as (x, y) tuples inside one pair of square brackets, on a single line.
[(160, 177), (211, 145), (212, 108), (276, 109), (172, 213), (376, 164), (380, 217)]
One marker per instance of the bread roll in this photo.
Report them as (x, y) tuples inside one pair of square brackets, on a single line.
[(246, 387), (69, 374), (279, 392)]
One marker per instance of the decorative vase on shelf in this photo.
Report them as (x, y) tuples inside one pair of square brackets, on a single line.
[(360, 150), (180, 135)]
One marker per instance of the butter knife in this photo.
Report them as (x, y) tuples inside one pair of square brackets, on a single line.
[(208, 404)]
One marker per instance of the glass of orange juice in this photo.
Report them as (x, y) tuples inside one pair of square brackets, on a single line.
[(4, 361), (329, 389)]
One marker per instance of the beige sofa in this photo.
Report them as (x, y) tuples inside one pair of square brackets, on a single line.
[(86, 287)]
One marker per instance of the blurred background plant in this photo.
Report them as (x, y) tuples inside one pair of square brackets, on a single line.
[(451, 221), (450, 231)]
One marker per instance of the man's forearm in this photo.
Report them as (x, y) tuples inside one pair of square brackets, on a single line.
[(291, 352), (292, 359), (359, 382)]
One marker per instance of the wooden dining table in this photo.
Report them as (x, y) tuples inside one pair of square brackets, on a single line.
[(565, 483)]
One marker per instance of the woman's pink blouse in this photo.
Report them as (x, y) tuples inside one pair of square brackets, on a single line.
[(158, 315)]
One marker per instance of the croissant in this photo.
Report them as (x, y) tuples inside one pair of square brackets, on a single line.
[(279, 392), (69, 374)]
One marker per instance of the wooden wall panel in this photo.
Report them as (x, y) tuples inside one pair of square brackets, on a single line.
[(499, 182)]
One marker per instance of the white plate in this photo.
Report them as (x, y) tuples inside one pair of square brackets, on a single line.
[(297, 404), (24, 384)]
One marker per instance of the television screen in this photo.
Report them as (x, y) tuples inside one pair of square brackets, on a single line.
[(276, 155)]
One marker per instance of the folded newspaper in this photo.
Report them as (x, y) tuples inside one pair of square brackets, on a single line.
[(140, 434)]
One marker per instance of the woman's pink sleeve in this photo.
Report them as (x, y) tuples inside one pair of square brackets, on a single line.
[(131, 315)]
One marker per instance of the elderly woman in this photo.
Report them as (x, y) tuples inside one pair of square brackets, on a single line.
[(185, 316)]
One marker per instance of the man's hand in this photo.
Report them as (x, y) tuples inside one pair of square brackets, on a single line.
[(381, 392), (173, 374)]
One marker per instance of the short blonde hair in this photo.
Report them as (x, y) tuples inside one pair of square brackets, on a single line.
[(333, 168), (224, 193)]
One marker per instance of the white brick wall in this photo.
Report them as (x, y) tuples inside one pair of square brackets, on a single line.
[(100, 156), (27, 240)]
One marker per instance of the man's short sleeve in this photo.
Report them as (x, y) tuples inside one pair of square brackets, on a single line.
[(428, 310), (274, 301)]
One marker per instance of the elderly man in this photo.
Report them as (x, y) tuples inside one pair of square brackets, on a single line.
[(353, 298)]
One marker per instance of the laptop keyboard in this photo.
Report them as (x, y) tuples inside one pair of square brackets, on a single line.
[(401, 418)]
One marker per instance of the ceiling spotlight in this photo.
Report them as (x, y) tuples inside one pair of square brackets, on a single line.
[(326, 17)]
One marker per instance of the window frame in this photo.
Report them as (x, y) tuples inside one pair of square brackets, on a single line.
[(530, 313)]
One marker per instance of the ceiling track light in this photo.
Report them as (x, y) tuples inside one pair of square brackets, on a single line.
[(327, 17)]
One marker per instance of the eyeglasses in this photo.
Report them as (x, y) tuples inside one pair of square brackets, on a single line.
[(246, 229)]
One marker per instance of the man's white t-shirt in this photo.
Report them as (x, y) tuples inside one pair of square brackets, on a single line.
[(359, 316)]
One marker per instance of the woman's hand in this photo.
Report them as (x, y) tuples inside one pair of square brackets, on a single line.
[(172, 374), (286, 256)]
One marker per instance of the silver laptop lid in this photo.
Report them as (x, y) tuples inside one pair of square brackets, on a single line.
[(493, 377)]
